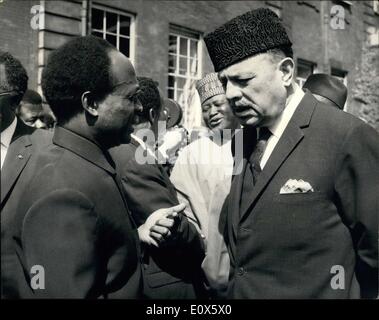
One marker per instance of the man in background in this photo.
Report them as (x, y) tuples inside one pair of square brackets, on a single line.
[(327, 89), (202, 176), (172, 270), (19, 144), (31, 111)]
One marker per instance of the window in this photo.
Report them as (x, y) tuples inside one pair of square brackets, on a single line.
[(183, 65), (373, 36), (345, 4), (304, 70), (340, 75), (115, 27), (275, 6), (375, 6)]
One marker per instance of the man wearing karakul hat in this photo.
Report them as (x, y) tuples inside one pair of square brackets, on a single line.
[(301, 219)]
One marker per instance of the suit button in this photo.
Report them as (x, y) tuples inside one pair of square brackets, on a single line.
[(241, 271)]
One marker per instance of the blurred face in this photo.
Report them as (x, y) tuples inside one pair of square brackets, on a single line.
[(256, 89), (217, 113), (116, 111), (33, 115), (6, 101), (159, 115)]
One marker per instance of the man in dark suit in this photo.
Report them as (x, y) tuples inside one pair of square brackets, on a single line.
[(171, 271), (18, 144), (301, 220), (73, 234)]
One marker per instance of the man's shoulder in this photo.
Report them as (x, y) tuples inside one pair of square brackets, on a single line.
[(123, 152), (336, 120), (41, 137)]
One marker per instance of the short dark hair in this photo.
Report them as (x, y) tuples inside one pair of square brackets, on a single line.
[(148, 95), (32, 97), (16, 78), (80, 65)]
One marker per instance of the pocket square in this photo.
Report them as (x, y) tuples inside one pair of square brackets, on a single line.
[(296, 186)]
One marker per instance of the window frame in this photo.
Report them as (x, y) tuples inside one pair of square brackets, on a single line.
[(176, 74), (299, 61), (118, 12), (375, 6)]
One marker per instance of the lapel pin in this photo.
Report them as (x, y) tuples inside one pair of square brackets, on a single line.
[(20, 156)]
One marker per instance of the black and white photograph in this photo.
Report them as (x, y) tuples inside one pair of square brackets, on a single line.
[(189, 154)]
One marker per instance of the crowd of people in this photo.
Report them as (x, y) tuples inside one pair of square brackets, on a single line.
[(105, 195)]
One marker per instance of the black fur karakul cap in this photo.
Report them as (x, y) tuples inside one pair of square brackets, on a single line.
[(246, 35)]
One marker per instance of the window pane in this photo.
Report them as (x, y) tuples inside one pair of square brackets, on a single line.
[(183, 46), (111, 22), (182, 65), (124, 46), (170, 93), (97, 19), (180, 97), (124, 25), (180, 83), (172, 44), (98, 34), (193, 67), (171, 63), (111, 39), (303, 71), (193, 49), (171, 81)]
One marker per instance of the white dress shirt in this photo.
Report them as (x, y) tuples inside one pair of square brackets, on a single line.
[(6, 137), (281, 123)]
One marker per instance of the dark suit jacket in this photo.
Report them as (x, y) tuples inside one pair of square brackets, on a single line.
[(171, 272), (73, 221), (286, 245), (26, 143)]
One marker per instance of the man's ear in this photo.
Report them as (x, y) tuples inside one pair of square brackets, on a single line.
[(89, 104), (287, 67), (151, 115)]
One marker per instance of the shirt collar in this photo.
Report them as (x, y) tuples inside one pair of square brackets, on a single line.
[(83, 147), (281, 123), (7, 134)]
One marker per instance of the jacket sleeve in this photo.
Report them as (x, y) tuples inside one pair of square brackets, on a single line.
[(357, 185), (148, 188), (59, 237)]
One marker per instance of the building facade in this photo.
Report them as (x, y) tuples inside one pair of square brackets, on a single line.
[(164, 40)]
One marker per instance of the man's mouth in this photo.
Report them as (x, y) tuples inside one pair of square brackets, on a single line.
[(215, 122), (243, 111)]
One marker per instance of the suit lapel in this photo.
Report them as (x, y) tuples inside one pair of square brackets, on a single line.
[(234, 207), (291, 137), (17, 157)]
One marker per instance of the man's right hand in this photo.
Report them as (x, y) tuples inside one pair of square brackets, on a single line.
[(160, 225)]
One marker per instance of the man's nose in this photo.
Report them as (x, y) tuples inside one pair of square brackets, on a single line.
[(232, 91), (213, 111)]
